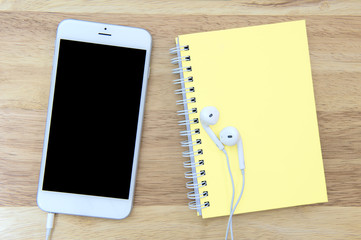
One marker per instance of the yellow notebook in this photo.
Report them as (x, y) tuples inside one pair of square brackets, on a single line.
[(259, 78)]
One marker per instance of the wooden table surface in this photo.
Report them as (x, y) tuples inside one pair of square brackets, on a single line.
[(27, 35)]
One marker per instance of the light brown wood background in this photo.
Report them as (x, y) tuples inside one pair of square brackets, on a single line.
[(27, 35)]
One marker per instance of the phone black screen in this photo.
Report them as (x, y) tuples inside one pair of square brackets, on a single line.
[(94, 119)]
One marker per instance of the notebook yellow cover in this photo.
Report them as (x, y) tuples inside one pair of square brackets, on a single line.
[(259, 78)]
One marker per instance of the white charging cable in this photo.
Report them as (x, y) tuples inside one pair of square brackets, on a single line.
[(49, 225)]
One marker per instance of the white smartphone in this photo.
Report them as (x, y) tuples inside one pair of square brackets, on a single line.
[(94, 120)]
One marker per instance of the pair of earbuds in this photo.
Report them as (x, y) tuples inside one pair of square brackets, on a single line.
[(228, 136)]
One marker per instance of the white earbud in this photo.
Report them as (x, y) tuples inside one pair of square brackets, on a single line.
[(209, 116), (230, 136)]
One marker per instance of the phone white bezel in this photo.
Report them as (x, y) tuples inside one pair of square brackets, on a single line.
[(86, 205)]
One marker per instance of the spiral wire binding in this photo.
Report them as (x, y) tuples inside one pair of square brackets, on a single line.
[(184, 90), (198, 206), (191, 174), (180, 80), (192, 153), (186, 101), (189, 132), (187, 111), (196, 195), (191, 143), (177, 49), (192, 185), (189, 121), (190, 164)]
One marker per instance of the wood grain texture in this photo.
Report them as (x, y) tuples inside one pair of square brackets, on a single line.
[(175, 222), (208, 7), (160, 212)]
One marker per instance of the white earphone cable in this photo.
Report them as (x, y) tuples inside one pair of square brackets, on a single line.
[(228, 136), (235, 206), (229, 226)]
